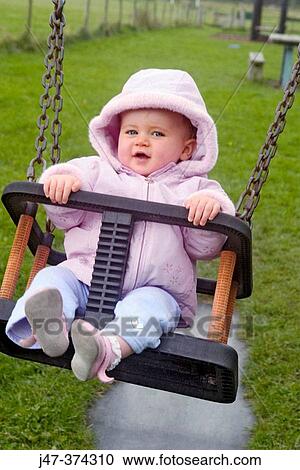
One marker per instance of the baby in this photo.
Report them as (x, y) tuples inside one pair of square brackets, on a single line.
[(155, 141)]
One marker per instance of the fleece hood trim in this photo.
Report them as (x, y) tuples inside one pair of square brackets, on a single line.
[(177, 92)]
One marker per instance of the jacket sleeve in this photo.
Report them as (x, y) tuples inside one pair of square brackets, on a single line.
[(87, 170), (203, 244)]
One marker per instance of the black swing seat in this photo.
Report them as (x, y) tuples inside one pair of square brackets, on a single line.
[(182, 364)]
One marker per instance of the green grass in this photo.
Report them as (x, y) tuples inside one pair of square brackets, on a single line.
[(14, 13), (41, 407), (14, 16)]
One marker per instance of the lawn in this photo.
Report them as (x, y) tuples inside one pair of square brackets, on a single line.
[(14, 16), (42, 407)]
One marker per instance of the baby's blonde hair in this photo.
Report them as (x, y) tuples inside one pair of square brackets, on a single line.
[(191, 130)]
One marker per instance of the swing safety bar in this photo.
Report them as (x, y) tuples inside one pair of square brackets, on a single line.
[(202, 368)]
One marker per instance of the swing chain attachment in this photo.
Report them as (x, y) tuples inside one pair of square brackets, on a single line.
[(53, 77), (250, 196)]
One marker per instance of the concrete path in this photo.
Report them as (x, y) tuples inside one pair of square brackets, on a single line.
[(133, 417)]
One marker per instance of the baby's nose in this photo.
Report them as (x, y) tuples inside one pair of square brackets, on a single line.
[(142, 140)]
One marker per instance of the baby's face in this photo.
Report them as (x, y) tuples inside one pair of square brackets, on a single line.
[(151, 138)]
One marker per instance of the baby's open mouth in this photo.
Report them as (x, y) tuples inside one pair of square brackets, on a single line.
[(141, 155)]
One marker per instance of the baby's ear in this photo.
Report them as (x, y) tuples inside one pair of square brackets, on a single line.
[(188, 149)]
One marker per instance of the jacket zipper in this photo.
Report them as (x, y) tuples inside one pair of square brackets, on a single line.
[(149, 180)]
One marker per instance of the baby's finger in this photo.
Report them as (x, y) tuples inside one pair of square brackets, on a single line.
[(46, 188), (52, 189), (187, 202), (59, 190), (215, 211), (76, 186), (206, 213), (192, 211), (199, 212), (66, 193)]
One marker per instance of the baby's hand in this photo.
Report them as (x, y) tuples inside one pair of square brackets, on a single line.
[(59, 187), (201, 208)]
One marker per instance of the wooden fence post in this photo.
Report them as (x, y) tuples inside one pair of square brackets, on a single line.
[(85, 28), (199, 14), (155, 12), (171, 11), (135, 13), (29, 17), (120, 14), (256, 20), (104, 25), (163, 15)]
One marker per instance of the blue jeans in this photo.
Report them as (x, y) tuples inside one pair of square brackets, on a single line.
[(141, 317)]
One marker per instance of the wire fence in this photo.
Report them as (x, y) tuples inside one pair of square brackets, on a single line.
[(28, 20), (24, 22)]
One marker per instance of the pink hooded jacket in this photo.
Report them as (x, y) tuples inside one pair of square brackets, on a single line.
[(160, 255)]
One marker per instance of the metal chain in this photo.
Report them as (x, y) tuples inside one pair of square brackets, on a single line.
[(57, 22), (53, 77), (250, 196)]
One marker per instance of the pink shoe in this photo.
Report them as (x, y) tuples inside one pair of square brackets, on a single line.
[(27, 342), (93, 352), (44, 311)]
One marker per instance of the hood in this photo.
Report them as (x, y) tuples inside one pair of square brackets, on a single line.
[(174, 90)]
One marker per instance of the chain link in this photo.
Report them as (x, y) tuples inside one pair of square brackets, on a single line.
[(53, 77), (250, 196), (57, 23)]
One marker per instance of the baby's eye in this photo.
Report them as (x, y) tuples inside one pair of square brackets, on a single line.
[(158, 134), (131, 132)]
